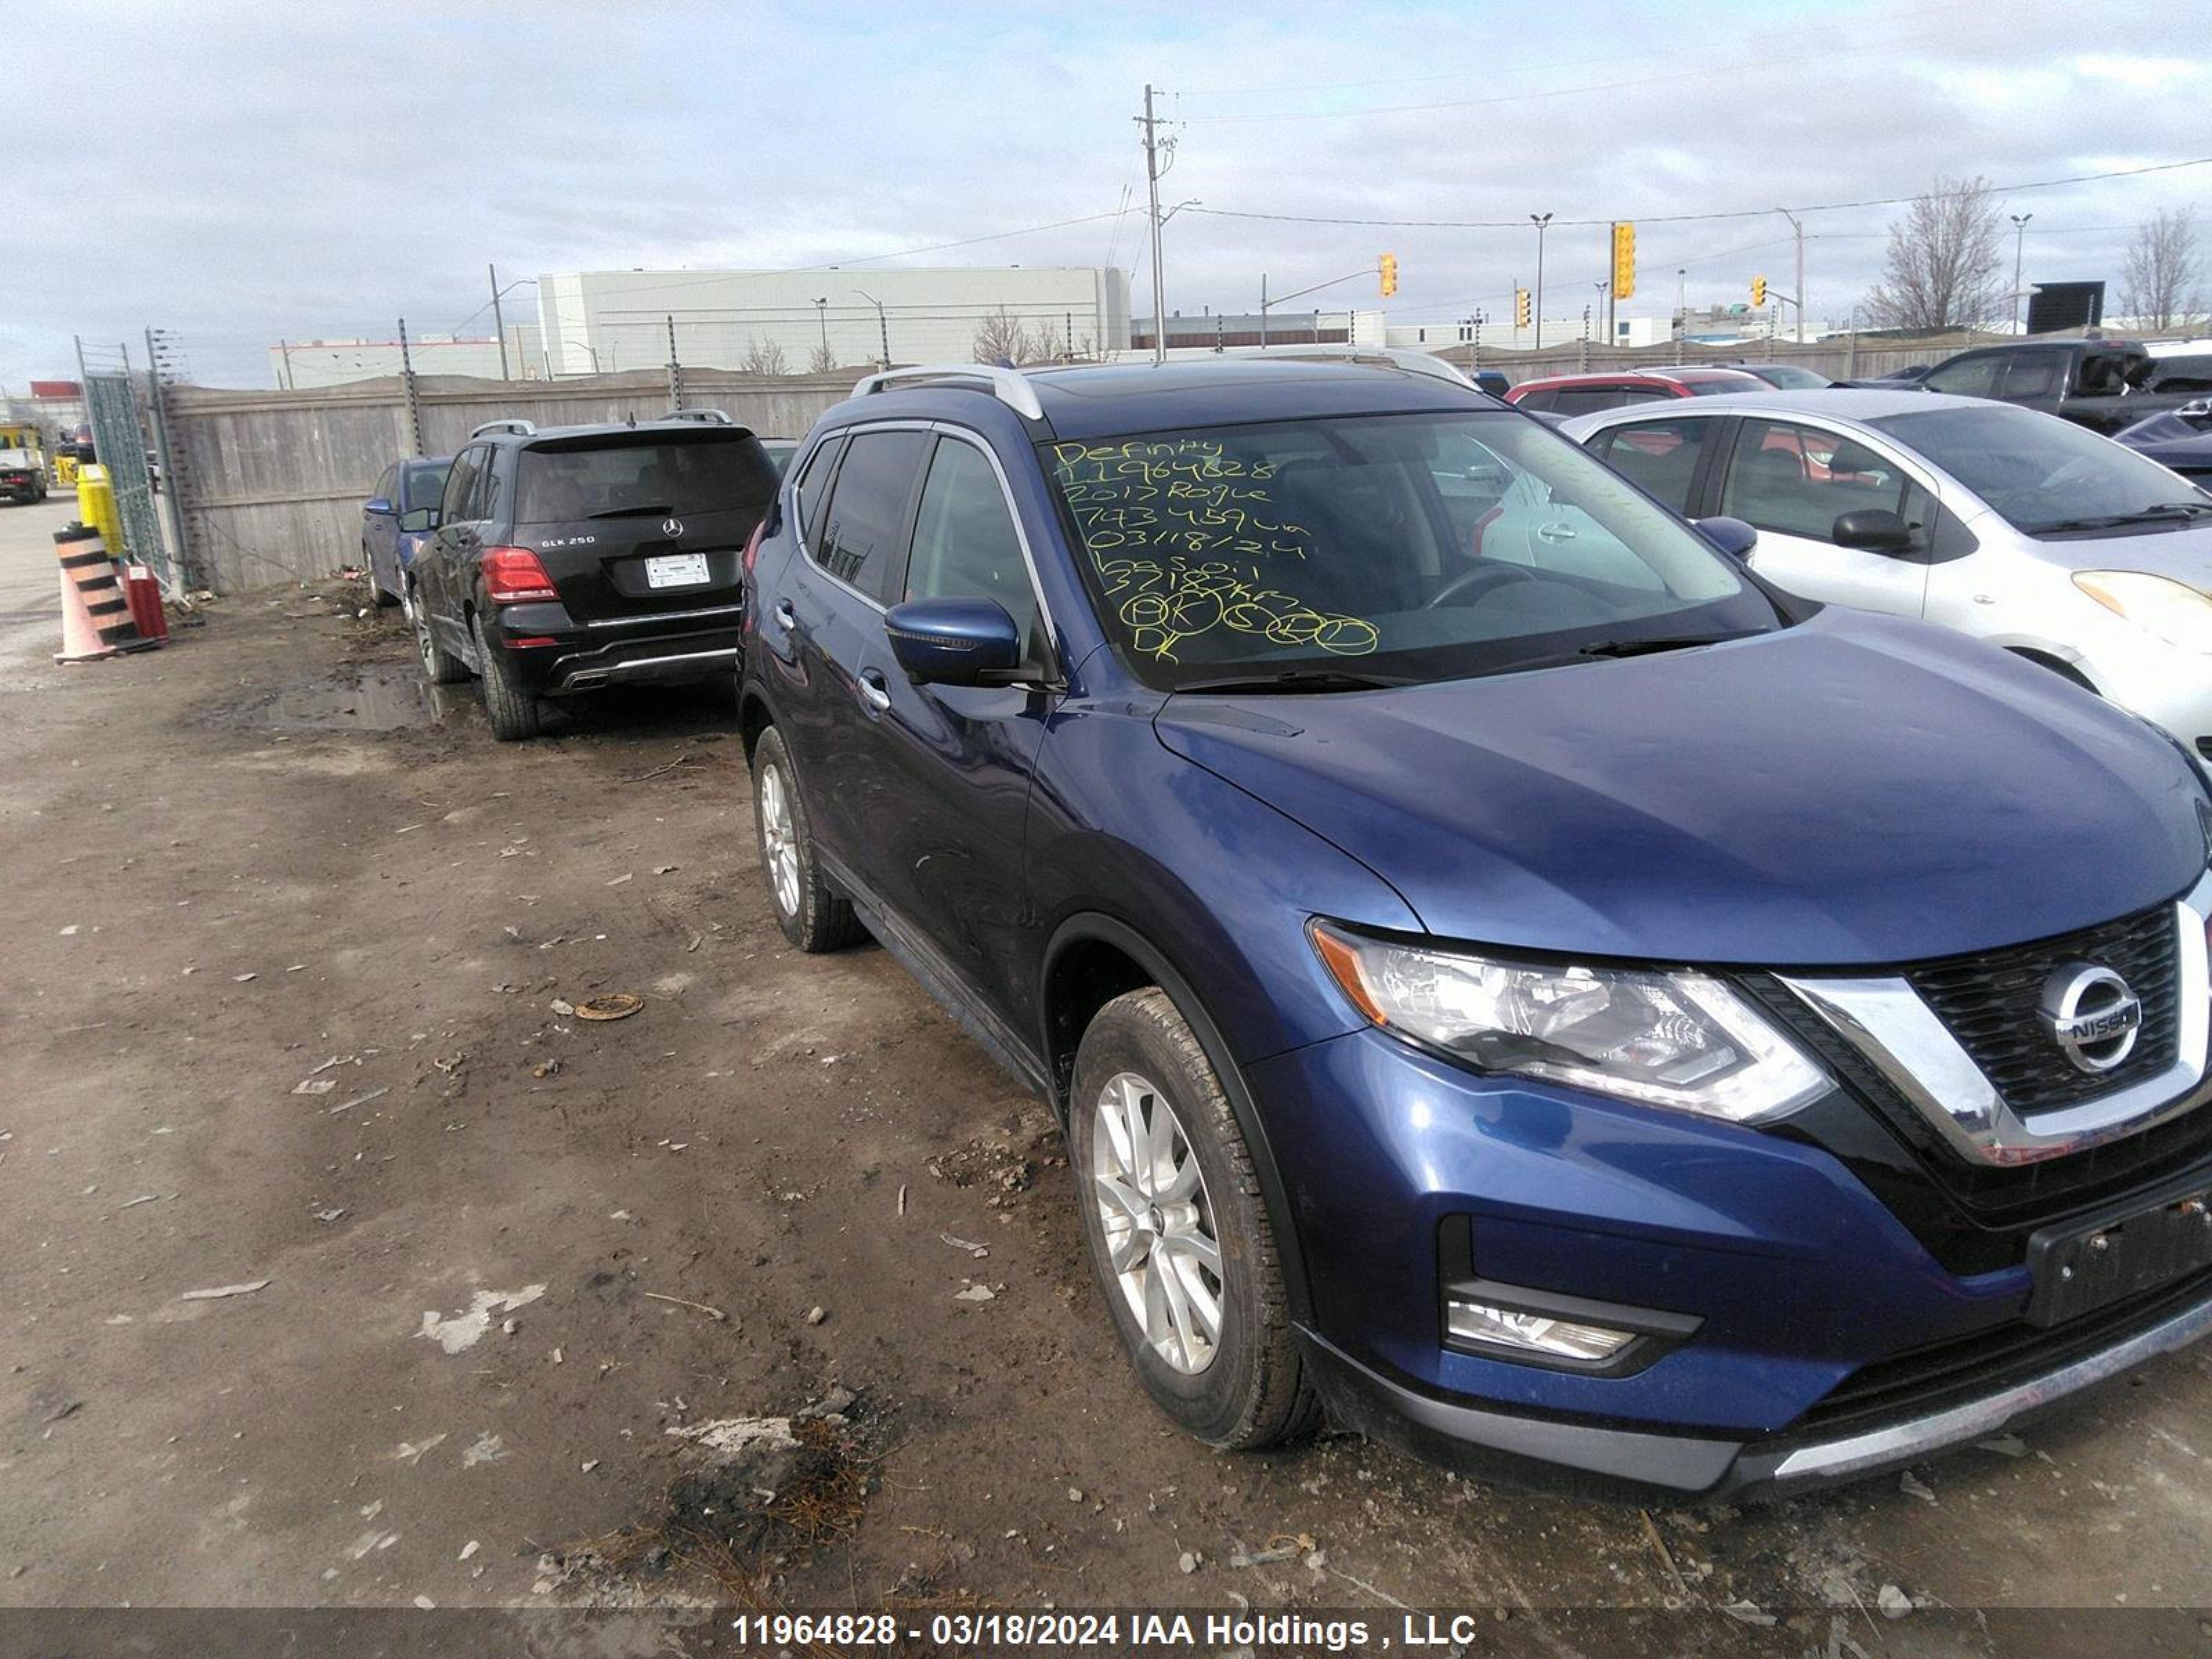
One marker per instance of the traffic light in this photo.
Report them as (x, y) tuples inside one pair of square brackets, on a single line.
[(1388, 269), (1758, 292), (1624, 259), (1520, 307)]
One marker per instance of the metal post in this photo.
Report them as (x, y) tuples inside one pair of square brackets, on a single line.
[(1582, 351), (1799, 231), (284, 346), (1682, 304), (1474, 353), (407, 389), (1263, 311), (675, 369), (2018, 242), (172, 509), (1153, 191), (883, 328), (1542, 220), (498, 321)]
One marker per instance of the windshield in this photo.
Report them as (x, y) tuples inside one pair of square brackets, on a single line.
[(423, 485), (706, 471), (1409, 547), (2038, 472), (1791, 378)]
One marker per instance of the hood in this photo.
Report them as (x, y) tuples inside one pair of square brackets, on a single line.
[(1852, 791), (2184, 555)]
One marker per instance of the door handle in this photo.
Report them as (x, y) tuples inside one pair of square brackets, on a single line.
[(786, 616), (1555, 533), (875, 690)]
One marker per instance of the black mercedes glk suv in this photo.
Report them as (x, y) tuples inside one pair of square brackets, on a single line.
[(568, 558)]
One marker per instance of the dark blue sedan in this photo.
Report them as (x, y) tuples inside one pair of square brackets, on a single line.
[(396, 516)]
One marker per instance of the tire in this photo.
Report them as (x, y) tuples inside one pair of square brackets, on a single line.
[(1243, 1385), (813, 914), (378, 597), (440, 665), (513, 711)]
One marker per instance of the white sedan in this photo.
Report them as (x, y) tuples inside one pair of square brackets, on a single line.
[(2014, 526)]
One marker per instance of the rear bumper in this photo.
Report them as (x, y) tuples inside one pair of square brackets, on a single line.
[(1608, 1461), (700, 647)]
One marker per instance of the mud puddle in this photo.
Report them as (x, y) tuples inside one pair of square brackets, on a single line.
[(371, 697)]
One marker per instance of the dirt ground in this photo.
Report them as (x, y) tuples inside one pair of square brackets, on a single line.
[(287, 954)]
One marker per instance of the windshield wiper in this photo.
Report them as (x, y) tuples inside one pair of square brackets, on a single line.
[(1299, 679), (2161, 512), (1644, 644), (625, 512)]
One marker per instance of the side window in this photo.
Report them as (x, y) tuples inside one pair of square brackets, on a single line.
[(1587, 399), (1538, 403), (1660, 455), (2030, 375), (386, 485), (813, 489), (863, 539), (964, 543), (1967, 377), (460, 486), (1798, 481)]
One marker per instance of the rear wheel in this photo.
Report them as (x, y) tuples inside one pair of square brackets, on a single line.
[(813, 916), (513, 710), (440, 665), (376, 593), (1178, 1231)]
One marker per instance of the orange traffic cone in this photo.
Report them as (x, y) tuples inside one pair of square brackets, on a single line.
[(95, 616)]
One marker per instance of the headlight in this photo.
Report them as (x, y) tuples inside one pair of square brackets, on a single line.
[(2177, 613), (1678, 1040)]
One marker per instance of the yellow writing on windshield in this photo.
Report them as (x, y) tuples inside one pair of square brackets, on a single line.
[(1187, 540)]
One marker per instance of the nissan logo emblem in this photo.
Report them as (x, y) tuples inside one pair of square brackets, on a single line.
[(2091, 1015), (672, 528)]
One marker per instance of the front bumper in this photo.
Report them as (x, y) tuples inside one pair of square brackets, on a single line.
[(1807, 1289), (584, 658)]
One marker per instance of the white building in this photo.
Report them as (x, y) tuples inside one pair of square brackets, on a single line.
[(298, 364), (610, 321), (1559, 333)]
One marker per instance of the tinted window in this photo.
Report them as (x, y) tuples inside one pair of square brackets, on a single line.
[(1798, 480), (1587, 399), (964, 544), (425, 485), (813, 486), (712, 471), (460, 486), (1331, 544), (2192, 374), (1660, 455), (863, 540), (1542, 401), (2032, 374), (2036, 470), (1967, 377)]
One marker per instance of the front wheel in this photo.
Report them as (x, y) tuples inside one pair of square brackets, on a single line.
[(1178, 1231), (440, 665), (511, 710)]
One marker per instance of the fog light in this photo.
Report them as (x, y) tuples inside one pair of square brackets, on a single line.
[(1557, 1338)]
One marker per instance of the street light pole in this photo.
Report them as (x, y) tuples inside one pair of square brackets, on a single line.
[(822, 316), (1152, 194), (1800, 230), (1682, 304), (883, 328), (2019, 241), (498, 321), (1541, 221)]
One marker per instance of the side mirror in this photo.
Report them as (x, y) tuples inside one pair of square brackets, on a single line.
[(1732, 536), (376, 506), (1877, 528), (422, 518), (953, 641)]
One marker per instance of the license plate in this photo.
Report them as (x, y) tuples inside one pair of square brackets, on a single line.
[(676, 570), (2081, 1269)]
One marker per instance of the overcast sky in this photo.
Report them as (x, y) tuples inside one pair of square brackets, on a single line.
[(243, 172)]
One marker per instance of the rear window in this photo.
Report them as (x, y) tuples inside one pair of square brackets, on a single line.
[(425, 485), (676, 475)]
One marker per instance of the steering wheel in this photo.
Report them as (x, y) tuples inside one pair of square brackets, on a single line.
[(1480, 580)]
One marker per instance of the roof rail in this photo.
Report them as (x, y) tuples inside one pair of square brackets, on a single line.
[(1006, 384), (1404, 357), (520, 428), (710, 416)]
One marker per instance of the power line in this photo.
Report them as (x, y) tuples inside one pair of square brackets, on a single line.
[(1688, 218)]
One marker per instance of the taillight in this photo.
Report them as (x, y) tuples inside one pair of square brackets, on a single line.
[(753, 545), (514, 574)]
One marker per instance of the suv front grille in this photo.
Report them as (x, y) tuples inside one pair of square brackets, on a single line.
[(1989, 1001)]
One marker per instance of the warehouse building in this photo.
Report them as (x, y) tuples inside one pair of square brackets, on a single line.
[(606, 321)]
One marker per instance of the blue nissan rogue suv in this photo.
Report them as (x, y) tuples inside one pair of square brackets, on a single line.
[(1544, 998)]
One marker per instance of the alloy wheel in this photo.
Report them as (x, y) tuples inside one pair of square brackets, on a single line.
[(778, 841), (1158, 1222)]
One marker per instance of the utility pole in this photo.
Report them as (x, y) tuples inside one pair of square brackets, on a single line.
[(822, 315), (1152, 171), (1263, 311), (2019, 241), (1475, 347), (883, 328), (498, 321), (1604, 302), (407, 385), (285, 347), (1541, 221), (1682, 304), (1800, 230), (675, 369)]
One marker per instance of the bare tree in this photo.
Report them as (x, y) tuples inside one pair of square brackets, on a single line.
[(764, 357), (1000, 339), (2159, 278), (821, 361), (1943, 270)]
